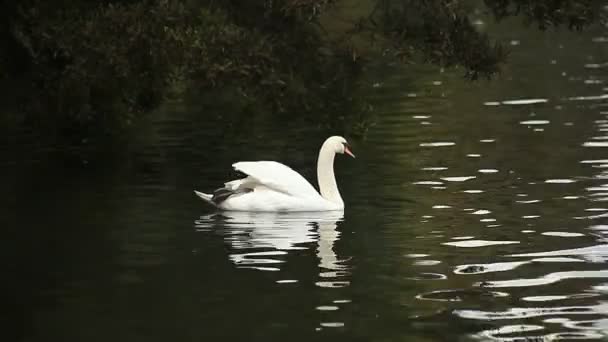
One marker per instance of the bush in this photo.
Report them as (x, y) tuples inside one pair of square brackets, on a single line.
[(96, 65)]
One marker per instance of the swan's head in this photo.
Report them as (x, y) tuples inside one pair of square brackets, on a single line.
[(339, 145)]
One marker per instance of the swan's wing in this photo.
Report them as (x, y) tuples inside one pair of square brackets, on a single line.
[(276, 176)]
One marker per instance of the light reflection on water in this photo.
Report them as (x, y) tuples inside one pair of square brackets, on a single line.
[(551, 275), (274, 234), (263, 241)]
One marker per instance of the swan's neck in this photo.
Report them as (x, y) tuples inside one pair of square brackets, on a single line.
[(326, 177)]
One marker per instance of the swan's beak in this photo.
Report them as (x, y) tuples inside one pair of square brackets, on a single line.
[(347, 151)]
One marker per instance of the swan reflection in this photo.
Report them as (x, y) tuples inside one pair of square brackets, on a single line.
[(262, 241)]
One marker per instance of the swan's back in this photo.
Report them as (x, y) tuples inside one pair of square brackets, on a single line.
[(277, 177)]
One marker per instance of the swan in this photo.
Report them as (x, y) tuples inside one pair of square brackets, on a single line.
[(271, 186)]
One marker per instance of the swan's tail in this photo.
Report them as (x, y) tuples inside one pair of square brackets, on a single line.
[(206, 197)]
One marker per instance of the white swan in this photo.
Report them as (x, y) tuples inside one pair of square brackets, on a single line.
[(272, 186)]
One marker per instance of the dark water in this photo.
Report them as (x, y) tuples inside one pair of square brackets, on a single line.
[(474, 211)]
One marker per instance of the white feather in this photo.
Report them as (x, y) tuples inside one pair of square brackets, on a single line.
[(278, 177), (272, 186)]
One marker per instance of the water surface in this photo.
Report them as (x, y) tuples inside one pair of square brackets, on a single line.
[(474, 211)]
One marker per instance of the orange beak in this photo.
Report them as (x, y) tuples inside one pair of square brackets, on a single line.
[(347, 151)]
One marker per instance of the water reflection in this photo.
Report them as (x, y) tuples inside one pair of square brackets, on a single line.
[(478, 243), (334, 270), (262, 240), (597, 253), (547, 279), (551, 274), (584, 329)]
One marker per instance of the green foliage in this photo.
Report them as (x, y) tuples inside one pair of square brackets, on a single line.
[(119, 58), (95, 65), (550, 13), (101, 66), (439, 31)]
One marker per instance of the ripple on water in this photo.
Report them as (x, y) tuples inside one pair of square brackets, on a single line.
[(442, 206), (437, 144), (332, 324), (478, 243), (327, 308), (597, 253), (521, 313), (596, 161), (593, 217), (434, 168), (259, 268), (528, 201), (488, 268), (562, 234), (427, 183), (596, 65), (332, 284), (524, 101), (602, 288), (534, 122), (458, 179), (463, 237), (557, 297), (472, 191), (560, 181), (544, 298), (589, 98), (429, 276), (595, 144), (425, 262), (497, 334), (416, 255), (457, 295), (254, 258), (341, 301), (547, 279), (557, 259)]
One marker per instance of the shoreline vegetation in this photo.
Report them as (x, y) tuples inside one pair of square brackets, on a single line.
[(83, 68)]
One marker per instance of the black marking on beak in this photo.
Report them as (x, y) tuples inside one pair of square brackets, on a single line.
[(347, 149)]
